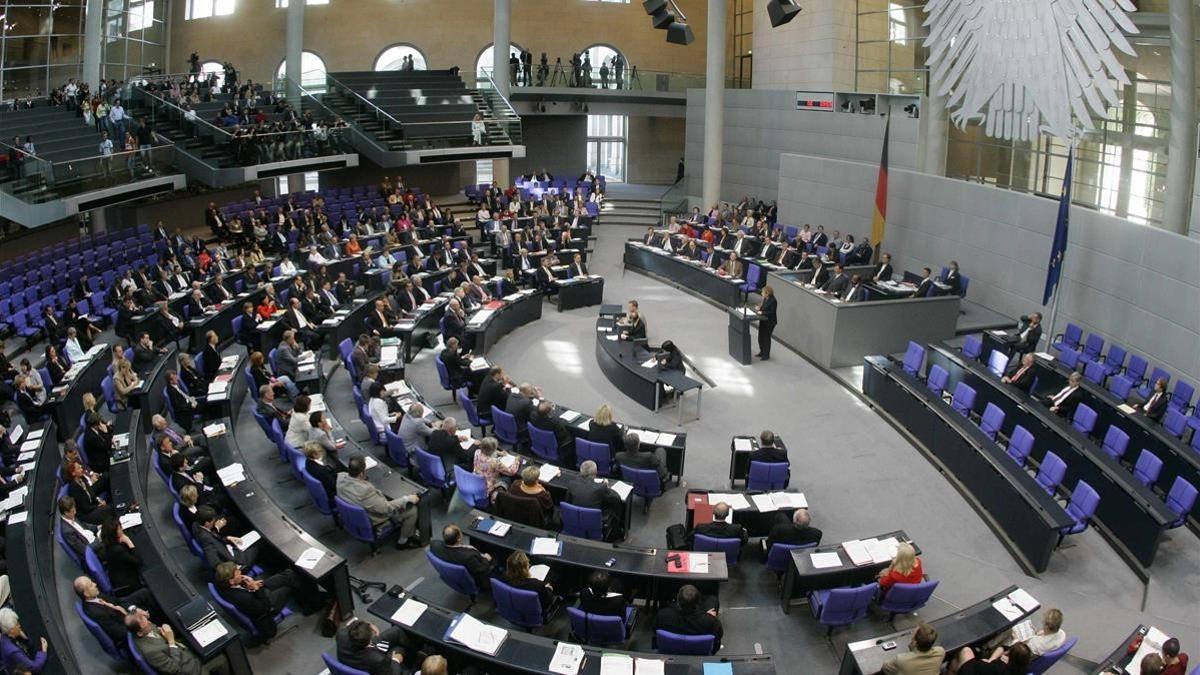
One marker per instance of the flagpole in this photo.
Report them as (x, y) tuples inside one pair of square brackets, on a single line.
[(1062, 274)]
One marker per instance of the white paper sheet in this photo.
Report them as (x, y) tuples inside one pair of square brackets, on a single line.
[(478, 636), (789, 500), (825, 560), (310, 557), (764, 503), (666, 439), (616, 664), (131, 520), (539, 572), (622, 489), (1010, 611), (370, 461), (209, 633), (650, 666), (567, 659), (857, 552), (548, 472), (249, 539), (544, 546), (1021, 598), (234, 473), (742, 445), (409, 612), (697, 563)]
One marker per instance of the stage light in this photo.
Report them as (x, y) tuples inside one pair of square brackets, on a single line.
[(680, 34), (782, 11)]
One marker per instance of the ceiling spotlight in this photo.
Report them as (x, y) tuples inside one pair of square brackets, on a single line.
[(782, 11), (660, 13), (680, 34)]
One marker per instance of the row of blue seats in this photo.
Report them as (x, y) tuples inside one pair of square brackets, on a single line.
[(48, 256)]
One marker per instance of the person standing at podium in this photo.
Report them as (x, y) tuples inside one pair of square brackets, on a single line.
[(766, 325)]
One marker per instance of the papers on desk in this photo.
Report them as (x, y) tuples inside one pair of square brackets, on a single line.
[(218, 389), (618, 486), (476, 635), (26, 456), (317, 403), (569, 416), (825, 560), (409, 612), (539, 572), (479, 363), (616, 664), (545, 546), (464, 438), (229, 362), (764, 503), (613, 338), (548, 472), (9, 503), (209, 633), (131, 520), (585, 424), (857, 552), (509, 462), (34, 435), (388, 355), (1151, 644), (1127, 409), (603, 329), (29, 446), (214, 430), (397, 388), (370, 462), (493, 527), (666, 439), (735, 500), (309, 558), (1021, 598), (650, 362), (742, 445), (232, 474), (1006, 607), (644, 435), (567, 659), (20, 517), (882, 550), (481, 316), (251, 538), (1045, 356), (650, 666)]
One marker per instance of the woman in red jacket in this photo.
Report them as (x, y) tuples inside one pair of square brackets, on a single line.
[(905, 569)]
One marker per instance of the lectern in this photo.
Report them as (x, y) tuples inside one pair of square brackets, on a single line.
[(740, 319)]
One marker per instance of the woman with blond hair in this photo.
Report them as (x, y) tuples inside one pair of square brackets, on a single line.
[(905, 569), (125, 382), (490, 464), (604, 430), (516, 574)]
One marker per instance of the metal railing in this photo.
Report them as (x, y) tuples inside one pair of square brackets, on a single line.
[(36, 179), (674, 202), (631, 80), (501, 109)]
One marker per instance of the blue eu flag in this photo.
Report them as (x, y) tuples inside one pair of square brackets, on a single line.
[(1059, 249)]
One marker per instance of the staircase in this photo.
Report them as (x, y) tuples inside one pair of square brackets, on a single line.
[(638, 211)]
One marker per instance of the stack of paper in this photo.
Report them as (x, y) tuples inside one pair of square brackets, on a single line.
[(509, 462), (825, 560), (409, 612), (309, 558), (479, 363), (481, 316), (764, 503), (495, 528), (789, 500), (545, 546), (209, 633), (881, 551), (229, 362), (217, 389), (476, 635), (650, 666), (698, 563), (666, 439), (388, 355), (1021, 598), (735, 500), (622, 489), (567, 659), (569, 416), (616, 664), (214, 430), (33, 435), (396, 388), (131, 520), (249, 539), (857, 552), (317, 403), (742, 445), (548, 472), (232, 474), (1010, 611)]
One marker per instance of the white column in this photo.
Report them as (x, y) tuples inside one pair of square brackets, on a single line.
[(714, 103), (293, 47), (501, 38), (1181, 141), (937, 122), (93, 27)]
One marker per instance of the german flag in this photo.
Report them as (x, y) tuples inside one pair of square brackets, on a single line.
[(881, 192)]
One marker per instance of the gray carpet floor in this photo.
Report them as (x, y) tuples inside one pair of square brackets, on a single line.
[(861, 478)]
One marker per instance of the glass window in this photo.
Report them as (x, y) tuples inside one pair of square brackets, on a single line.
[(483, 171), (284, 3), (599, 56), (217, 67), (607, 137), (393, 58), (312, 181), (141, 15), (483, 64), (202, 9), (312, 70)]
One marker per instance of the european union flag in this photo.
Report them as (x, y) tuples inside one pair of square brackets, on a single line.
[(1058, 250)]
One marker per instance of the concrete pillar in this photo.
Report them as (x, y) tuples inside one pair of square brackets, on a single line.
[(500, 172), (1128, 119), (1181, 142), (295, 181), (501, 38), (714, 103), (293, 48), (937, 124), (93, 35)]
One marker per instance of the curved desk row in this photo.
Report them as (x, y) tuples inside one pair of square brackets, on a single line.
[(691, 274), (627, 364), (756, 511), (1144, 433), (639, 567), (220, 321), (531, 653), (1016, 507), (1133, 516), (66, 400), (803, 575), (673, 444), (485, 330), (969, 626)]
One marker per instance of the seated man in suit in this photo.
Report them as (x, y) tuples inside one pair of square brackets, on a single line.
[(145, 354), (795, 531), (89, 506), (1156, 405), (1020, 374), (456, 322), (1067, 399), (770, 449), (492, 391), (78, 534), (586, 493), (520, 403), (953, 278), (720, 527), (304, 328), (356, 488), (543, 418), (183, 403), (452, 550), (320, 469), (457, 362), (924, 656), (358, 646), (444, 443), (287, 356), (690, 614), (634, 457), (855, 292), (164, 652), (414, 430), (577, 269), (883, 271), (545, 279), (259, 599), (1025, 339), (269, 407), (926, 283), (109, 612), (216, 547), (837, 283), (197, 304)]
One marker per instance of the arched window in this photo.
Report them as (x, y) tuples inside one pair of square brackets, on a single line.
[(393, 58), (312, 70), (213, 67), (483, 63), (599, 56)]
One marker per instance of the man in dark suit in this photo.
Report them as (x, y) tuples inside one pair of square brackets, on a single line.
[(97, 443), (183, 403), (543, 418), (452, 550), (295, 319), (855, 292), (691, 614), (250, 321), (90, 508), (925, 284), (196, 304), (1020, 374), (492, 392), (78, 534), (358, 648), (109, 612), (1067, 399), (216, 547), (144, 353), (258, 599), (1028, 334), (837, 283), (720, 527), (585, 492), (455, 321), (318, 468), (408, 297), (796, 531), (953, 278), (444, 443), (1156, 405), (218, 292), (520, 404), (577, 269), (457, 363), (883, 271), (770, 449), (820, 238), (633, 457)]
